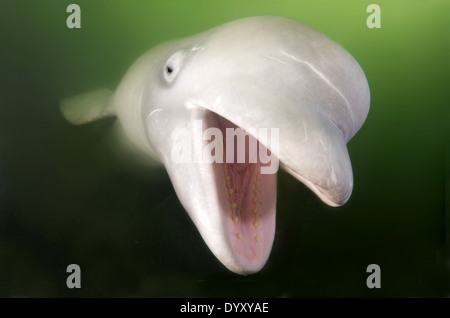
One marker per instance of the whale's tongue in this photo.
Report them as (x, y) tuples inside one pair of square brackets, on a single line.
[(249, 215)]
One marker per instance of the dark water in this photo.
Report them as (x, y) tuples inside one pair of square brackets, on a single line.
[(68, 196)]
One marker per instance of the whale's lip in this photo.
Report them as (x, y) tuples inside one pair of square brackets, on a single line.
[(319, 191)]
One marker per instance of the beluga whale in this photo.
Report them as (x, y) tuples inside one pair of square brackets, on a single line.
[(223, 109)]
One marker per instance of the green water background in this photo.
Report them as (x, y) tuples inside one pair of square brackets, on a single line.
[(67, 196)]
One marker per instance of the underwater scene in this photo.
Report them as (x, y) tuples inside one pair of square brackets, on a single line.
[(349, 195)]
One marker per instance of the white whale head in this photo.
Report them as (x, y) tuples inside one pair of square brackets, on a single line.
[(261, 74)]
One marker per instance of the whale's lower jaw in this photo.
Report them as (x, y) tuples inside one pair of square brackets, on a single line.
[(246, 202)]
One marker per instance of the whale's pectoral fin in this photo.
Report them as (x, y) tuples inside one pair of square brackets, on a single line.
[(84, 108)]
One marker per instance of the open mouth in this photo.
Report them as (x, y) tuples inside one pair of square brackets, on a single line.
[(246, 194)]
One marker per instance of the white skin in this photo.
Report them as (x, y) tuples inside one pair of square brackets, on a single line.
[(260, 72)]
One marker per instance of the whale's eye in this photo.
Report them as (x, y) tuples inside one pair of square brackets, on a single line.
[(172, 66)]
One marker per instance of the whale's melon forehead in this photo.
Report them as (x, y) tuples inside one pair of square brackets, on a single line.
[(264, 47), (258, 35)]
